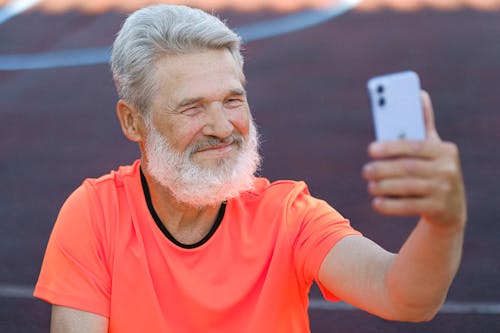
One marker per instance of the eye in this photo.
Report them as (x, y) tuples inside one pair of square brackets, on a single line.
[(234, 102), (192, 110)]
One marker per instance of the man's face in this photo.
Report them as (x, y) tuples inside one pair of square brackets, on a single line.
[(201, 142), (200, 106)]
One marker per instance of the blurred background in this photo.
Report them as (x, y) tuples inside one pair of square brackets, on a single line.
[(307, 63)]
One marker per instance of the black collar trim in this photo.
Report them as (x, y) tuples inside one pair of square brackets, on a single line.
[(164, 230)]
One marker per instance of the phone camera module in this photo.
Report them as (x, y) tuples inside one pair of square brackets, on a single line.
[(380, 89), (381, 101)]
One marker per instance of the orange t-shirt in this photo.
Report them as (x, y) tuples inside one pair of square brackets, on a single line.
[(106, 255)]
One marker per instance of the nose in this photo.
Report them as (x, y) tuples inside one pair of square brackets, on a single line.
[(218, 122)]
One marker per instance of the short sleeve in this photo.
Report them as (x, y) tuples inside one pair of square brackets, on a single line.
[(74, 272), (317, 227)]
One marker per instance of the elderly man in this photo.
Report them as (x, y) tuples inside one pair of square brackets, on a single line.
[(187, 239)]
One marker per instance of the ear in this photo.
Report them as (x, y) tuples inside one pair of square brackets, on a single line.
[(131, 121)]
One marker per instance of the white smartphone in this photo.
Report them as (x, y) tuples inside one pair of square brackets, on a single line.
[(397, 107)]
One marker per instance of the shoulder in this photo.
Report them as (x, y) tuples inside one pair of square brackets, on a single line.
[(114, 179), (282, 197), (96, 198), (291, 197), (108, 190), (92, 210), (281, 189)]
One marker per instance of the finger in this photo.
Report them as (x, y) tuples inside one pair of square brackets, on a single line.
[(403, 167), (401, 188), (403, 148), (402, 206), (430, 124)]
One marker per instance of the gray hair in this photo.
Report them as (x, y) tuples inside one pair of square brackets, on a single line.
[(154, 32)]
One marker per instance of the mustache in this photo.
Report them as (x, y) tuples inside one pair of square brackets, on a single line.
[(233, 138)]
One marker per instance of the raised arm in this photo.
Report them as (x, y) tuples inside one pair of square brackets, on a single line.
[(406, 178), (68, 320)]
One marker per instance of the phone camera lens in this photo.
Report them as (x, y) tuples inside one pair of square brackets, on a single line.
[(380, 89), (381, 101)]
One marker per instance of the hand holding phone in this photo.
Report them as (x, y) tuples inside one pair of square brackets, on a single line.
[(397, 106)]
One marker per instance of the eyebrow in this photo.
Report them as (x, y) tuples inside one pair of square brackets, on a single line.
[(194, 100), (237, 92), (188, 101)]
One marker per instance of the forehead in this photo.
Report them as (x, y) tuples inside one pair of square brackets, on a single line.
[(204, 74)]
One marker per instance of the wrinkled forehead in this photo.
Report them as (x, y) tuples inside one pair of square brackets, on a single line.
[(206, 73)]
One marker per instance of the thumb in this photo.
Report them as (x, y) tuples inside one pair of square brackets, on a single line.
[(430, 125)]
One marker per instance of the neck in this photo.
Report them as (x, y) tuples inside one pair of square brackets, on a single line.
[(185, 223)]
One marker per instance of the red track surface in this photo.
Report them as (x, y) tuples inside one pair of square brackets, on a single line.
[(308, 96)]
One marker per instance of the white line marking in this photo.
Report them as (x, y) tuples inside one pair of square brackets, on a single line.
[(471, 307), (15, 7), (67, 58), (249, 33), (450, 307), (294, 22), (15, 291)]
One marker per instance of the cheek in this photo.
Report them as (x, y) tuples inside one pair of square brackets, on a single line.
[(181, 133), (241, 121), (187, 135)]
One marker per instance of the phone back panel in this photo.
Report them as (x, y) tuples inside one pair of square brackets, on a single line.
[(397, 107)]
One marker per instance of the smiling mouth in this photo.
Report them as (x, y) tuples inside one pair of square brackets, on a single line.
[(219, 146), (219, 149)]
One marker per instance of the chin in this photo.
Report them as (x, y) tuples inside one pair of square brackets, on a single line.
[(216, 162)]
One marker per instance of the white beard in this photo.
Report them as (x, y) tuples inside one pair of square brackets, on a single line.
[(201, 186)]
